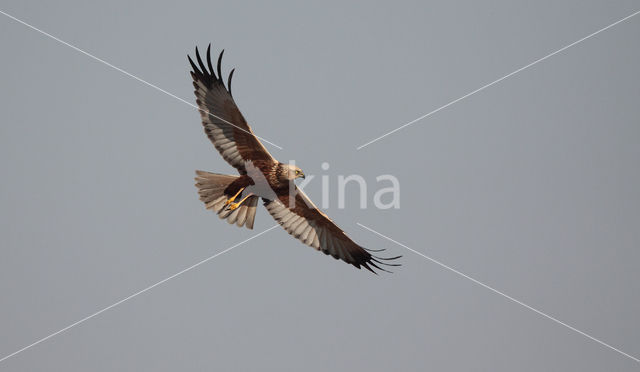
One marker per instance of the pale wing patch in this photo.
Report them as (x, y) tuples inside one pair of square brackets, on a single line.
[(294, 224), (306, 231), (219, 132), (323, 235), (223, 123)]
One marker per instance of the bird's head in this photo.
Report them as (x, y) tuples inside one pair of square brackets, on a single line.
[(292, 172)]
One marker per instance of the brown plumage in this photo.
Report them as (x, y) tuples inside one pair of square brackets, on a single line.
[(261, 175)]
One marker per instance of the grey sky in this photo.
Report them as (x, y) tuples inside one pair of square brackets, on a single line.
[(530, 186)]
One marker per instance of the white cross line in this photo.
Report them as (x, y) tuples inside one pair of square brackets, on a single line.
[(134, 295), (502, 294), (498, 80), (133, 76)]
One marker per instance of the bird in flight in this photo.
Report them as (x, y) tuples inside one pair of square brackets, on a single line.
[(261, 176)]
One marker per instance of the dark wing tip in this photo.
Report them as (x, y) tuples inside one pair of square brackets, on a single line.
[(372, 263), (201, 64), (207, 73), (229, 82), (364, 264), (219, 67), (375, 261), (373, 250), (196, 71), (384, 263), (209, 57), (386, 258)]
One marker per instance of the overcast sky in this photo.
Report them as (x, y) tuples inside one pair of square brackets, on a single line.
[(531, 186)]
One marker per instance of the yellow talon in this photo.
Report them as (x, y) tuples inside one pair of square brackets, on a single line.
[(236, 205), (231, 199)]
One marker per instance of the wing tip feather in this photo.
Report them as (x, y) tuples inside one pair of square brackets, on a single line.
[(207, 73)]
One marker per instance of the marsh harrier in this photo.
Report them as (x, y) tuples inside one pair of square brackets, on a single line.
[(261, 175)]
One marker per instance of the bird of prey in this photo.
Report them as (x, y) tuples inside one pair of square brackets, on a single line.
[(261, 176)]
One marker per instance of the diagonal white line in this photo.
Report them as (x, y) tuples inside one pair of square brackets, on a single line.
[(134, 295), (498, 80), (502, 294), (132, 76)]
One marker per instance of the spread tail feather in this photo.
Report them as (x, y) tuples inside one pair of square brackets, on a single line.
[(211, 188)]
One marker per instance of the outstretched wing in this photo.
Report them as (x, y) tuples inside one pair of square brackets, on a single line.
[(308, 224), (223, 123)]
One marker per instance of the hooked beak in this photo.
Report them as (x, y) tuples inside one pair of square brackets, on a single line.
[(302, 176)]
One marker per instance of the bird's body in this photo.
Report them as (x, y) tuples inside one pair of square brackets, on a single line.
[(261, 176)]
